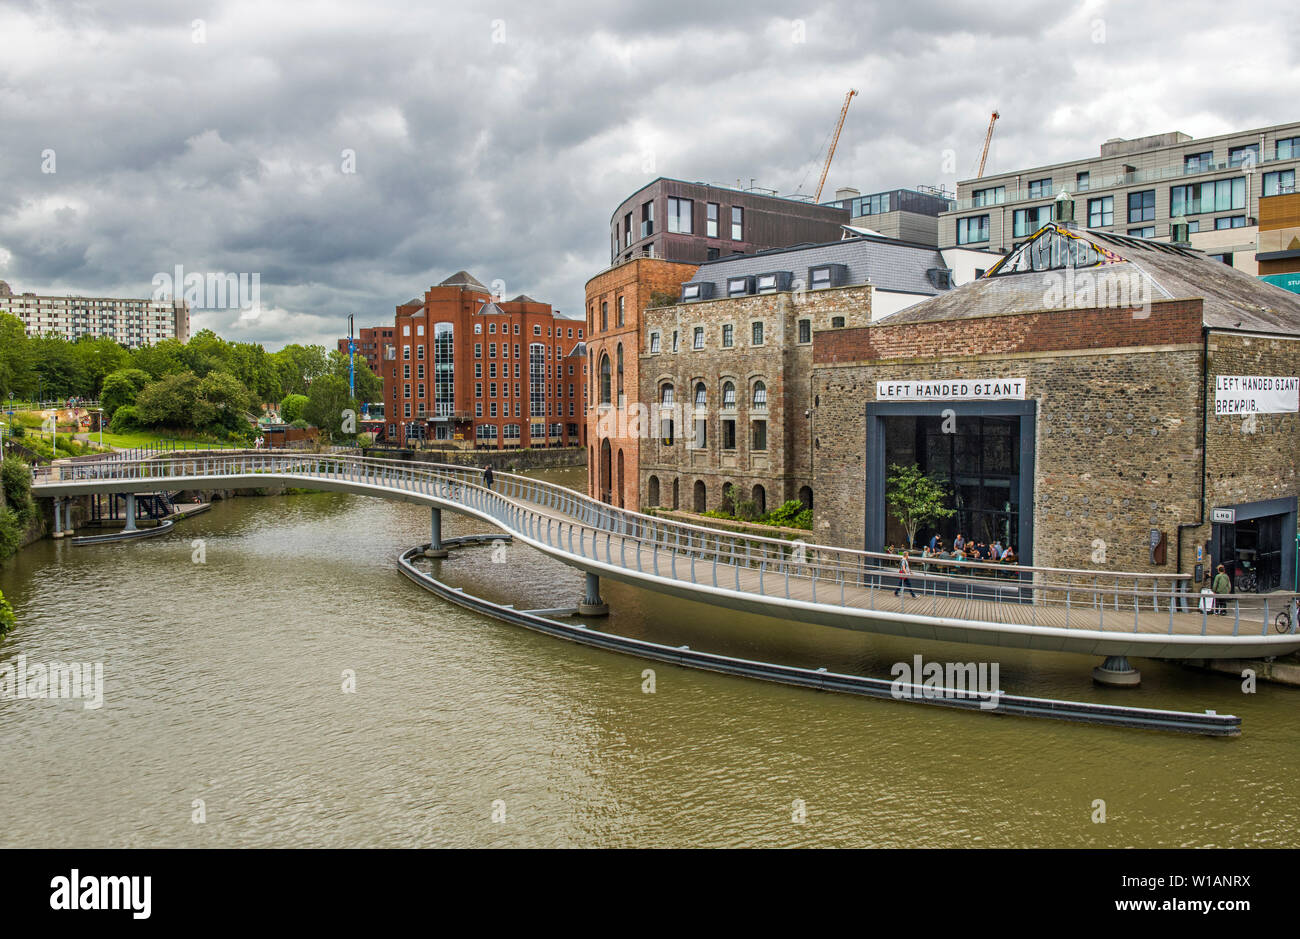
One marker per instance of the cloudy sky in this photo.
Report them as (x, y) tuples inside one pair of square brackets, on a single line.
[(354, 153)]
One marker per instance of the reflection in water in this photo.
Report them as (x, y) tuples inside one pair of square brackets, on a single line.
[(224, 683)]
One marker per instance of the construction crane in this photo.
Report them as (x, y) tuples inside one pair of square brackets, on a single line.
[(988, 138), (830, 154)]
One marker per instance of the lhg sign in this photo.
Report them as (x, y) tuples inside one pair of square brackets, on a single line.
[(1256, 394)]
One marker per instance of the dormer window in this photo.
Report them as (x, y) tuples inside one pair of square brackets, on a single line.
[(766, 283), (739, 286)]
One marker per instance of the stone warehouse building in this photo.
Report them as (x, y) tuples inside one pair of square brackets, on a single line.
[(725, 372), (1096, 400), (464, 365)]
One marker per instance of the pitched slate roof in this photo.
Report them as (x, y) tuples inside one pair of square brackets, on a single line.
[(462, 279), (1231, 299), (887, 263)]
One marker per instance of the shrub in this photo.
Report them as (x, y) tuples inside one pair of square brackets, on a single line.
[(16, 478), (11, 537), (7, 618), (125, 420), (786, 513)]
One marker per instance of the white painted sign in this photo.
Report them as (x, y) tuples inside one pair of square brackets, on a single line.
[(956, 389), (1227, 516), (1256, 394)]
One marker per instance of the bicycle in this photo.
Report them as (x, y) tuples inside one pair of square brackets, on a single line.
[(1282, 622), (1247, 582)]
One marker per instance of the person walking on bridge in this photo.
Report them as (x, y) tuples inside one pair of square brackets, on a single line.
[(904, 569), (1221, 587), (488, 476)]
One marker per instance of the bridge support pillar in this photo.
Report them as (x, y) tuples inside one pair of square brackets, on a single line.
[(592, 604), (67, 519), (1117, 672), (130, 512), (435, 549), (58, 518)]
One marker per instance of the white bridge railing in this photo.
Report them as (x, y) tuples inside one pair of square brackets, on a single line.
[(569, 523)]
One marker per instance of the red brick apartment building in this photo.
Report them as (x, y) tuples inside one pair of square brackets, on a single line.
[(371, 342), (466, 366)]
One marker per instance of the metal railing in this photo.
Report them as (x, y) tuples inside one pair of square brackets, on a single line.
[(569, 523)]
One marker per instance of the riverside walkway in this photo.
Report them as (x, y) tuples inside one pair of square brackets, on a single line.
[(1107, 613)]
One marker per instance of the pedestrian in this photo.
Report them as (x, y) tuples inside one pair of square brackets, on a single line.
[(934, 542), (959, 542), (904, 569), (488, 476), (1221, 587)]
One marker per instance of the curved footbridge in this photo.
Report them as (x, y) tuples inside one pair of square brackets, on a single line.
[(1103, 613)]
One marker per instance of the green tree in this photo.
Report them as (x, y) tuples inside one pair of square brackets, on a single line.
[(161, 359), (914, 498), (369, 386), (168, 402), (292, 407), (298, 366), (221, 401), (96, 359), (17, 359), (121, 387), (327, 403), (61, 371)]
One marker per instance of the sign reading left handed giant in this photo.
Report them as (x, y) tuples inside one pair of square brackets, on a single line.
[(952, 389), (1256, 394)]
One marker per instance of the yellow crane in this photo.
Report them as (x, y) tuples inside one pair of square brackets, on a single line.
[(988, 137), (830, 154)]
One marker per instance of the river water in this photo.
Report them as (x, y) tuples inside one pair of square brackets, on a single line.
[(224, 701)]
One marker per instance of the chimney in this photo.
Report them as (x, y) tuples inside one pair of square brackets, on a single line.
[(1063, 209), (846, 192), (1179, 232)]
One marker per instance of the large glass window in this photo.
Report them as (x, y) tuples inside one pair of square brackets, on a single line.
[(444, 370), (679, 215), (605, 378), (647, 219), (737, 223), (728, 336), (994, 195), (728, 395), (1028, 221), (1220, 195), (701, 395), (1142, 206), (1195, 162), (1244, 156), (1286, 148), (1279, 182), (537, 379), (711, 220), (760, 396), (973, 229), (1040, 188)]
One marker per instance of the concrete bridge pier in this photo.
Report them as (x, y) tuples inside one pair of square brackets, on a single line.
[(435, 549), (58, 519), (67, 520), (592, 604), (1117, 672), (130, 512)]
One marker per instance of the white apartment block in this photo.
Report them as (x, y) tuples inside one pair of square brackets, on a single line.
[(1137, 188), (131, 323)]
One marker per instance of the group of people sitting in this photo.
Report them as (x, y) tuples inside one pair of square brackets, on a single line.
[(963, 550)]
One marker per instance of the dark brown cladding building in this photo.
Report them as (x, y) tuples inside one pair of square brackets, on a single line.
[(695, 222)]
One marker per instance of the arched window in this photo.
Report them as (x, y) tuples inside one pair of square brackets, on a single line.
[(728, 395), (760, 396), (604, 379), (666, 393), (701, 496), (759, 497), (620, 373), (728, 498), (805, 496), (676, 493), (701, 395), (652, 491)]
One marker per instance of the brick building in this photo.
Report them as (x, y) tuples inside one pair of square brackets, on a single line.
[(375, 344), (496, 373), (1096, 400), (724, 373), (616, 298)]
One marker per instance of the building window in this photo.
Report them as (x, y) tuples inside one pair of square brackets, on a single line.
[(674, 340), (620, 311), (679, 215), (604, 379), (1028, 221), (537, 379), (1287, 148), (1222, 258), (759, 435), (805, 330), (701, 395), (728, 336), (737, 223), (699, 338), (973, 229), (756, 333), (1040, 188), (478, 408), (728, 435), (486, 431), (620, 374), (1142, 206), (760, 396), (492, 350), (478, 350), (1081, 182), (1146, 231), (1279, 182), (666, 394), (478, 328), (654, 343), (712, 254), (1221, 195), (604, 317), (1243, 156), (995, 195), (837, 322), (406, 371), (711, 223), (647, 219), (1230, 221), (1196, 162), (627, 229), (1101, 212), (406, 353), (737, 286), (729, 395)]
